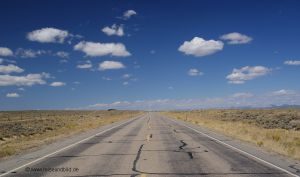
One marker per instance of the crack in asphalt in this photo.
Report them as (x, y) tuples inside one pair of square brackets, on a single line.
[(183, 144), (189, 153), (137, 158)]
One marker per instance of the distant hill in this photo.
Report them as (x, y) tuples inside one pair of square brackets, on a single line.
[(285, 106)]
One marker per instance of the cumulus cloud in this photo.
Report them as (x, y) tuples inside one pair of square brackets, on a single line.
[(12, 95), (48, 35), (27, 80), (10, 69), (127, 14), (200, 47), (21, 89), (236, 38), (106, 78), (107, 65), (29, 53), (116, 103), (292, 62), (242, 95), (62, 54), (233, 101), (6, 60), (94, 49), (86, 65), (5, 52), (126, 76), (113, 30), (239, 76), (57, 84), (283, 92), (194, 72)]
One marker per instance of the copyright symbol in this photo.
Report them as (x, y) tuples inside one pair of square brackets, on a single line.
[(27, 169)]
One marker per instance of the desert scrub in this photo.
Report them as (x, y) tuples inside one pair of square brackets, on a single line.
[(23, 130), (270, 129)]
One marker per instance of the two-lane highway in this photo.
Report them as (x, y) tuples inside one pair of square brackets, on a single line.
[(149, 146)]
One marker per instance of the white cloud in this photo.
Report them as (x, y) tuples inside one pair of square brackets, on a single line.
[(29, 53), (10, 69), (62, 54), (200, 47), (283, 92), (236, 38), (57, 84), (113, 30), (194, 72), (292, 62), (2, 60), (12, 95), (27, 80), (233, 101), (47, 75), (125, 83), (107, 105), (127, 14), (94, 49), (239, 76), (86, 65), (242, 95), (126, 76), (98, 105), (106, 65), (5, 52), (106, 78), (48, 35)]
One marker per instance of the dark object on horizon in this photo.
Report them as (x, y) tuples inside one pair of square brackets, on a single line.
[(111, 109)]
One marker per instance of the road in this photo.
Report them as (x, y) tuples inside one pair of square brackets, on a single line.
[(148, 146)]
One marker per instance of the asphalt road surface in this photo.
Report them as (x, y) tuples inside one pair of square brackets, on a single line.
[(151, 145)]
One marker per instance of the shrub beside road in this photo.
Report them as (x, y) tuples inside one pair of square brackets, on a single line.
[(23, 130), (276, 130)]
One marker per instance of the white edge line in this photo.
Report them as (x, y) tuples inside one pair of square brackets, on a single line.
[(239, 150), (67, 147)]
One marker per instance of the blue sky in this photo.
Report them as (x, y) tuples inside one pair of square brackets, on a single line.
[(148, 54)]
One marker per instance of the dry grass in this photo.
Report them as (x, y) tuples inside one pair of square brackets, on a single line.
[(276, 130), (24, 130)]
